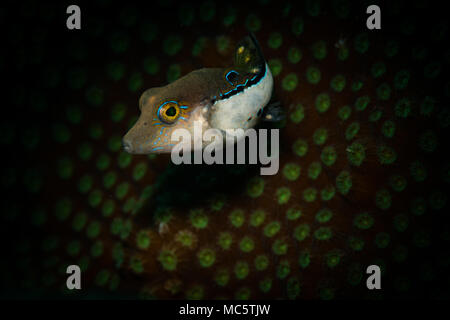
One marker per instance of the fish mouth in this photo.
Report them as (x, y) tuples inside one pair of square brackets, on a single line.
[(130, 148), (127, 146)]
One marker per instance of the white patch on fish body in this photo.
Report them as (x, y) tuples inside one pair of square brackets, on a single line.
[(197, 118), (235, 111)]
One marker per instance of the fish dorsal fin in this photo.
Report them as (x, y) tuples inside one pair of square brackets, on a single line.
[(248, 55)]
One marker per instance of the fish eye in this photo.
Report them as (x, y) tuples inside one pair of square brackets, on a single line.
[(168, 112)]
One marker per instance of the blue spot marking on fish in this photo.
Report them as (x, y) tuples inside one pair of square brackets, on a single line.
[(239, 85), (228, 74), (230, 93)]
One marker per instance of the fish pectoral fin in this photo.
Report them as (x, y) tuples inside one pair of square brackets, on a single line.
[(273, 112)]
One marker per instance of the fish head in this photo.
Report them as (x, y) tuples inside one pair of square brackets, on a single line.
[(160, 116)]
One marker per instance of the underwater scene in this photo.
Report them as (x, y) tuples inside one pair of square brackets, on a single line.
[(363, 117)]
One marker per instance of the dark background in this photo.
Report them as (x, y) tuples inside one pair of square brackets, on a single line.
[(61, 89)]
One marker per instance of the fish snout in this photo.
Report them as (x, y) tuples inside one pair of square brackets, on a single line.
[(127, 145)]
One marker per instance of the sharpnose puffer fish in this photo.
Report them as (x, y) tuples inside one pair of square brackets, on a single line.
[(215, 98)]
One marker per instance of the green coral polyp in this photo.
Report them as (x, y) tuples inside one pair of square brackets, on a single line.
[(279, 247), (97, 249), (344, 182), (324, 215), (327, 193), (275, 66), (418, 206), (241, 270), (320, 136), (378, 69), (310, 194), (172, 44), (304, 259), (364, 221), (313, 75), (79, 221), (65, 168), (290, 82), (185, 238), (356, 153), (291, 171), (108, 208), (323, 233), (301, 232), (294, 55), (143, 240), (283, 269), (362, 103), (206, 257), (300, 147), (297, 26), (428, 141), (85, 151), (261, 262), (357, 85), (198, 218), (333, 258), (225, 240), (253, 23), (383, 92), (352, 130), (247, 244), (328, 155), (115, 143), (115, 70), (257, 218), (338, 83), (323, 102), (382, 240), (388, 128), (319, 50), (237, 218), (314, 170), (283, 195), (397, 182), (272, 228), (401, 222), (437, 200), (386, 155), (222, 277), (356, 244), (401, 79), (168, 259), (298, 114), (361, 42), (344, 113), (255, 187), (275, 40), (383, 199), (402, 108), (93, 229), (63, 208)]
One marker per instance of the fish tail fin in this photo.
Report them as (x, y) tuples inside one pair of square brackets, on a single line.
[(248, 56)]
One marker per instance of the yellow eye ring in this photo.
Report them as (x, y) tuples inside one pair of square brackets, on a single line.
[(169, 111)]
